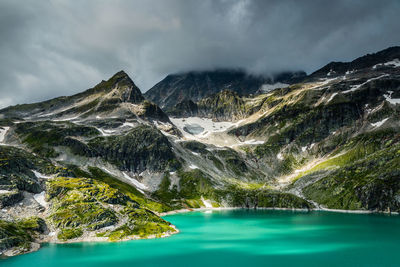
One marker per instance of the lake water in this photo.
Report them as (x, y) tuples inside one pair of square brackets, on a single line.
[(243, 238)]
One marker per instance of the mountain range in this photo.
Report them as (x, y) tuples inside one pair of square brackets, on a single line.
[(104, 164), (195, 85)]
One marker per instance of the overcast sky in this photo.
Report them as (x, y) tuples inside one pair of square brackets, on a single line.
[(53, 48)]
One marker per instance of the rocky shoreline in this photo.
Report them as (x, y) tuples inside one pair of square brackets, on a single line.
[(86, 237), (287, 209)]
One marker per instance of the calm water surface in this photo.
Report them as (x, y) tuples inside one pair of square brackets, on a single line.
[(243, 238)]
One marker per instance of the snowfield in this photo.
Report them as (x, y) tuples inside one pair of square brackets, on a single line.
[(207, 131), (208, 125)]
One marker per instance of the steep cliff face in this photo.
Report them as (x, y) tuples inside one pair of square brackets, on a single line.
[(142, 148), (193, 86), (185, 108), (223, 106)]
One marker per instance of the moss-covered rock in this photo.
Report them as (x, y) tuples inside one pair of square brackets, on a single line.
[(19, 235), (42, 137), (128, 190), (260, 198), (371, 183), (233, 162), (16, 167), (225, 106), (69, 233), (194, 184), (85, 204), (141, 223)]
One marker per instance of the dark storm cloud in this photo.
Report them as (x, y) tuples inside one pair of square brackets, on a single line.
[(52, 48)]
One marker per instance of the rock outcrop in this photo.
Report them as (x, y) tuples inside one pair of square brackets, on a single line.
[(196, 85)]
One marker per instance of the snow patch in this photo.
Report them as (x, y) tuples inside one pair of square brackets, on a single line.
[(254, 142), (325, 82), (379, 123), (332, 96), (391, 100), (39, 175), (40, 198), (207, 202), (208, 125), (68, 119), (46, 114), (5, 191), (128, 124), (106, 132), (356, 87), (393, 63), (248, 142), (330, 72), (137, 184), (304, 148), (279, 156), (192, 166), (3, 131)]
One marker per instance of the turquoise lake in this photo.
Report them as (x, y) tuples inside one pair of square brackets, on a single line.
[(243, 238)]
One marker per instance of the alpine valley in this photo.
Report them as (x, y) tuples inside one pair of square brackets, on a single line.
[(106, 163)]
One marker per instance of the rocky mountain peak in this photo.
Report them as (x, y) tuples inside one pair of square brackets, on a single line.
[(121, 86), (382, 58)]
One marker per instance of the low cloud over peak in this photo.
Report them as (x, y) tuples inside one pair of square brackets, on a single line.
[(52, 48)]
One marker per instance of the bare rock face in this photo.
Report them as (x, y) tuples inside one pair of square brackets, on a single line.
[(142, 148), (226, 105), (196, 85)]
